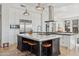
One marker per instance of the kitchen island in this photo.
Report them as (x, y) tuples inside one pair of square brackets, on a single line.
[(39, 40)]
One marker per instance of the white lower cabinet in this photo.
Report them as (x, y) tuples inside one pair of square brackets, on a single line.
[(72, 42), (64, 41), (68, 41)]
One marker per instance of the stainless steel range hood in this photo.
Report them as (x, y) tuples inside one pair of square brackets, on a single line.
[(50, 24), (51, 14)]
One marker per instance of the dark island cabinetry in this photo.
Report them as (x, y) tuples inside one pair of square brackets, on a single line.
[(38, 49)]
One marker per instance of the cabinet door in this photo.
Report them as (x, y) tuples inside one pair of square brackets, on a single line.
[(73, 42), (75, 22), (64, 41), (56, 46), (67, 41), (75, 25), (61, 41), (67, 25)]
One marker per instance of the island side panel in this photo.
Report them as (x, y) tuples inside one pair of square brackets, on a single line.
[(20, 45), (38, 48), (56, 46)]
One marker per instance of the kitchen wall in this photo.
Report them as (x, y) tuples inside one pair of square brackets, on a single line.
[(11, 14), (5, 23), (45, 17), (0, 26), (68, 12), (62, 13)]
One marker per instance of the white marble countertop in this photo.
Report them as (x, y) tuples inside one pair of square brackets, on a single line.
[(38, 37)]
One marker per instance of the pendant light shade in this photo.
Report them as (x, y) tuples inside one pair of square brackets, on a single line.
[(26, 13), (39, 7)]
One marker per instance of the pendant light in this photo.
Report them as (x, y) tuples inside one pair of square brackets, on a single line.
[(26, 13), (39, 7)]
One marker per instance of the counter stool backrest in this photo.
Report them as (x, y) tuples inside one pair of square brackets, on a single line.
[(29, 42)]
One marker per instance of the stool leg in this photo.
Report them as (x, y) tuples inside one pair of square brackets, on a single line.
[(46, 51), (31, 50)]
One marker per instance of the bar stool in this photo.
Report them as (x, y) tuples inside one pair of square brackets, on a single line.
[(46, 45), (25, 42), (31, 43)]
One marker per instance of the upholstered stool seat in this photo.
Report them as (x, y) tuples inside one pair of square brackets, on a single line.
[(31, 43), (46, 46)]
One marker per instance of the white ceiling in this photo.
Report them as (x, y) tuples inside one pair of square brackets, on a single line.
[(0, 9), (56, 5), (31, 6), (45, 5)]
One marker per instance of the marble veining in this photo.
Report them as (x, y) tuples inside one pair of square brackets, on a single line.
[(38, 37)]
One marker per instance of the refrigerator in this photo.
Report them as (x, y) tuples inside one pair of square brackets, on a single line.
[(25, 26)]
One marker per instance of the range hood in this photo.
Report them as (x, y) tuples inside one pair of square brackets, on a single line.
[(51, 14)]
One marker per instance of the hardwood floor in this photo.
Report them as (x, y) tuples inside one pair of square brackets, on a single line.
[(13, 51), (67, 52)]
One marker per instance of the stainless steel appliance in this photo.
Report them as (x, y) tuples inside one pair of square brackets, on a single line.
[(25, 26), (51, 23)]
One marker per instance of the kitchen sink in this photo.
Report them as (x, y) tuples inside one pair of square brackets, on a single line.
[(45, 33), (55, 33)]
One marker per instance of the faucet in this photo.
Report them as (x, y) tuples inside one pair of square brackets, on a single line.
[(47, 29), (38, 28)]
